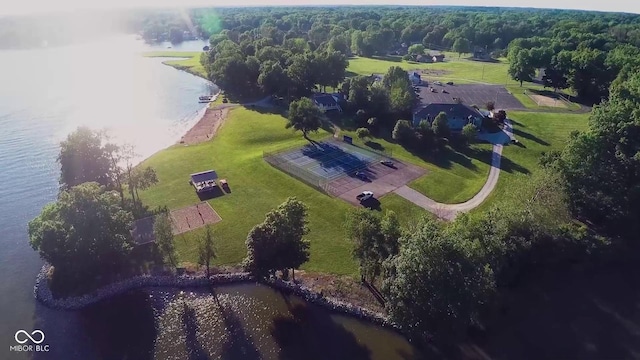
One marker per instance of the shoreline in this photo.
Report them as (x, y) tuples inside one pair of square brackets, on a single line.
[(42, 293)]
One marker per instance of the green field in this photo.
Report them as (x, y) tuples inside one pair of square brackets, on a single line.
[(460, 71), (236, 154), (190, 63), (538, 133)]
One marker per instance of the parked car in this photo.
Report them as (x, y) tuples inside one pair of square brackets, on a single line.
[(450, 83), (433, 90), (365, 195), (444, 91), (362, 176), (386, 163), (437, 83)]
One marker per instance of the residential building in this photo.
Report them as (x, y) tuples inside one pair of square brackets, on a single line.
[(458, 115), (438, 58), (326, 102)]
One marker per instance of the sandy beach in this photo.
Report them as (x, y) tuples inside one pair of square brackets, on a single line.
[(206, 128)]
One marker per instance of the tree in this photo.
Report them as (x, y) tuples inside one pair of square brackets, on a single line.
[(359, 92), (520, 65), (416, 49), (363, 133), (84, 158), (331, 67), (278, 243), (303, 74), (461, 45), (396, 75), (84, 234), (379, 102), (304, 116), (163, 233), (491, 106), (206, 250), (375, 238), (441, 126), (403, 132), (401, 97), (469, 133), (273, 79), (601, 165), (436, 285)]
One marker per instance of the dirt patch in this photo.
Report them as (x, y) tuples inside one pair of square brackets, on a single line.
[(542, 100), (206, 128), (433, 72), (345, 288), (193, 217)]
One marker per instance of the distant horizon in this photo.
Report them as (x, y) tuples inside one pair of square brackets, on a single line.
[(43, 7)]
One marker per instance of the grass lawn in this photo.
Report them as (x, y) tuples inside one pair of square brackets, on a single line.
[(407, 212), (190, 62), (236, 154), (461, 71), (538, 133), (454, 176)]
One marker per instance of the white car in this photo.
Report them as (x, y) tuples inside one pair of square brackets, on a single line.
[(365, 195)]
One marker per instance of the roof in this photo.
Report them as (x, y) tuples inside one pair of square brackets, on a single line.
[(204, 176), (460, 111), (142, 231), (325, 100), (439, 56)]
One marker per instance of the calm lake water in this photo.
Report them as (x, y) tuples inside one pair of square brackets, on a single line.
[(45, 94)]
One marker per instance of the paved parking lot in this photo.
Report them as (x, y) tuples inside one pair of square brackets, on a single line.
[(469, 94)]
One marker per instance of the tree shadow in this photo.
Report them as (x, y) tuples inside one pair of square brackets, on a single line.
[(388, 58), (531, 137), (350, 74), (374, 145), (191, 329), (509, 166), (240, 344), (121, 327), (312, 334), (372, 204), (331, 156), (566, 314)]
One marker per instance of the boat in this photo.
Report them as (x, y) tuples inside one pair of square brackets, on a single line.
[(208, 97)]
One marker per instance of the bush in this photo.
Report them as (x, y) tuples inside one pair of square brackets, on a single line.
[(469, 133), (403, 132), (363, 133)]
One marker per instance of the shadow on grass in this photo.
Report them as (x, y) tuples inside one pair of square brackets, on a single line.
[(211, 194), (509, 166), (374, 145), (531, 137), (350, 74), (372, 204), (312, 334)]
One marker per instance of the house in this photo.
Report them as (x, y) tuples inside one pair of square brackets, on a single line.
[(415, 78), (458, 115), (326, 102), (437, 58)]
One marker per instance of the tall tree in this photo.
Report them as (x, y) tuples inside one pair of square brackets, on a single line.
[(84, 234), (520, 66), (436, 285), (84, 158), (401, 98), (278, 243), (461, 46), (416, 49), (441, 126), (206, 250), (304, 116), (163, 233)]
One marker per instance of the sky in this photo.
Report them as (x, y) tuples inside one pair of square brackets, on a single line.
[(11, 7)]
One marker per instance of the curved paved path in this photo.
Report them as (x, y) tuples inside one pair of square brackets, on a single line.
[(450, 211)]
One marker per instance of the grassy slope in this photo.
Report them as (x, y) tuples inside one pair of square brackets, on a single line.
[(453, 177), (190, 63), (236, 154), (538, 132)]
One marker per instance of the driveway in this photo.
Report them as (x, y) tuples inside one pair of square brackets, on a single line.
[(450, 211)]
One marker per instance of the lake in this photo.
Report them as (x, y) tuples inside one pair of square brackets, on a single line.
[(49, 92)]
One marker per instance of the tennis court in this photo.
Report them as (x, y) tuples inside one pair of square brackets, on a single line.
[(319, 163), (331, 160)]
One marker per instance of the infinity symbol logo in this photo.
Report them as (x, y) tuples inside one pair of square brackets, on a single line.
[(29, 336)]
